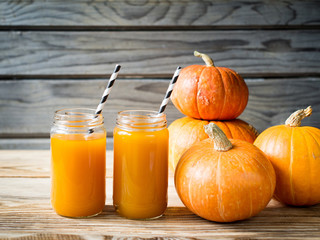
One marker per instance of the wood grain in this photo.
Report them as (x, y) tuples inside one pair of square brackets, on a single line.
[(23, 191), (254, 53), (35, 143), (159, 13), (25, 209), (27, 106), (25, 212), (25, 163)]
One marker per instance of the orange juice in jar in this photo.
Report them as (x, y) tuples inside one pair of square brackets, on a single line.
[(140, 179), (78, 156)]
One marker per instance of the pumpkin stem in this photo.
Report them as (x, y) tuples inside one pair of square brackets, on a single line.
[(205, 58), (221, 142), (295, 118)]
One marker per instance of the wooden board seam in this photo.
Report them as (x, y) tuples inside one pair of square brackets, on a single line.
[(153, 28)]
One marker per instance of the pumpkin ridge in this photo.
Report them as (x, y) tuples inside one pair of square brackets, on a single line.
[(234, 76), (240, 130), (197, 91), (189, 191), (239, 79), (224, 92), (290, 167), (247, 131), (309, 162), (236, 157), (193, 123), (311, 133), (198, 82), (227, 127), (270, 132), (201, 123), (218, 178), (177, 100), (177, 139), (254, 131), (245, 153), (307, 129), (250, 131), (267, 134)]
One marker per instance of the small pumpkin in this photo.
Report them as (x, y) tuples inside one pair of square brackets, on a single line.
[(209, 92), (294, 152), (186, 131), (224, 180)]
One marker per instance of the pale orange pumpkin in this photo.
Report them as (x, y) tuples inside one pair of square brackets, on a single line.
[(224, 180), (209, 92), (294, 152), (186, 131)]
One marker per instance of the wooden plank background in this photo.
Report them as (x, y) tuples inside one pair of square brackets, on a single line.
[(57, 54), (254, 53), (159, 13), (270, 101)]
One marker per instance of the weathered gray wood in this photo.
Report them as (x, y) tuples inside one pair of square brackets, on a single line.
[(25, 163), (254, 53), (272, 101), (27, 106), (34, 143), (159, 13)]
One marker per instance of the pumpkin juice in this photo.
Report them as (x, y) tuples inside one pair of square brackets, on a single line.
[(140, 179), (78, 174)]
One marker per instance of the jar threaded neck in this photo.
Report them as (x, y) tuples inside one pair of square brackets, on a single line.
[(77, 119), (141, 120)]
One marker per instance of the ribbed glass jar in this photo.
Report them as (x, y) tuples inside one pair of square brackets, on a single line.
[(140, 180), (78, 163)]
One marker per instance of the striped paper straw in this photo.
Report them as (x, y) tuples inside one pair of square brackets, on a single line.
[(169, 90), (106, 92)]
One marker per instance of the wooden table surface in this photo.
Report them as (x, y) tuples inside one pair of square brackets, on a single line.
[(26, 213)]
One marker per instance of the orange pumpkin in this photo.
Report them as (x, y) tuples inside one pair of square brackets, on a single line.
[(294, 152), (224, 180), (209, 92), (186, 131)]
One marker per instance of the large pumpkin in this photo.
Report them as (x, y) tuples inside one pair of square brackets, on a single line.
[(224, 180), (186, 131), (209, 92), (294, 152)]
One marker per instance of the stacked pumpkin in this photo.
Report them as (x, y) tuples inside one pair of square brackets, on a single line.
[(227, 180), (205, 93), (216, 178)]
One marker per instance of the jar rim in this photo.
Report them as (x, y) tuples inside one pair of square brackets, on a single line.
[(77, 118), (148, 113), (141, 119), (64, 111)]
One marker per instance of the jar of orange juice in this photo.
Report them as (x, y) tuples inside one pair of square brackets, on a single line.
[(78, 156), (140, 177)]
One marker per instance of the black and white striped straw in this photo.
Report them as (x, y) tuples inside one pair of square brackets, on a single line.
[(108, 89), (106, 92), (169, 90)]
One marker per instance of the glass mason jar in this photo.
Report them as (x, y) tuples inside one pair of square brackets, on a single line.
[(78, 163), (140, 177)]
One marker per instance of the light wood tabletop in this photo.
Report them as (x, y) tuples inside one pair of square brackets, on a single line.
[(26, 213)]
